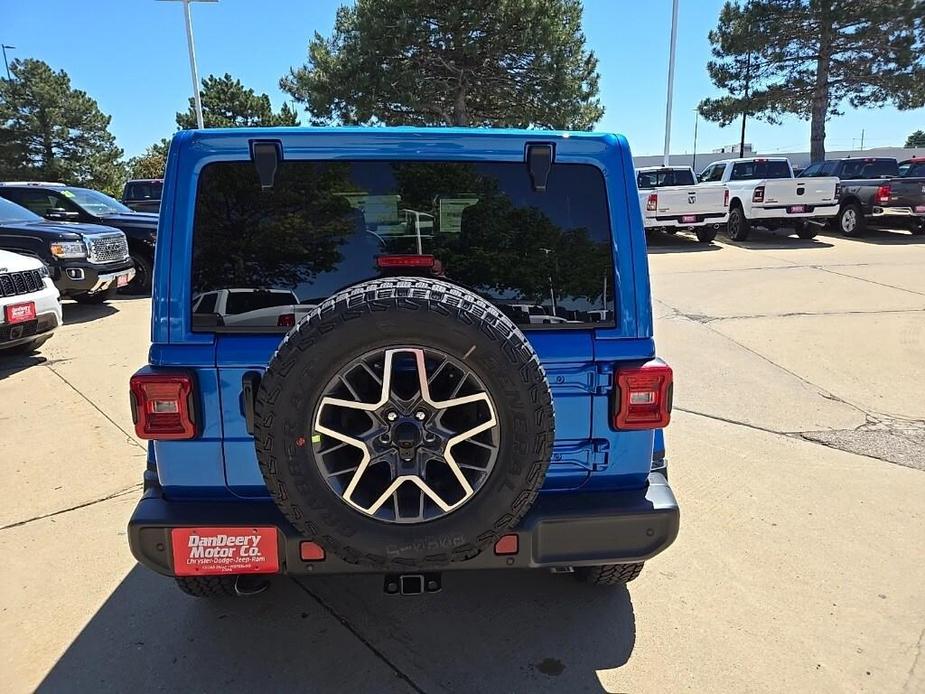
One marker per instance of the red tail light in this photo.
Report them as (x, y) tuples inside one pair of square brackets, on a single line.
[(758, 195), (400, 261), (643, 396), (162, 406), (726, 198), (883, 194), (652, 203), (285, 320), (837, 191)]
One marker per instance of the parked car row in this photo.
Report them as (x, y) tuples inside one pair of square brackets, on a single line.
[(29, 306), (71, 205), (738, 194)]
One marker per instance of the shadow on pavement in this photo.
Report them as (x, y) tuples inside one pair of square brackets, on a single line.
[(83, 313), (14, 363), (880, 237), (763, 239), (495, 631), (658, 242)]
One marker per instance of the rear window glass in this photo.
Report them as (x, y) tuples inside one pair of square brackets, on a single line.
[(914, 169), (144, 190), (544, 258), (661, 179), (746, 170), (869, 169)]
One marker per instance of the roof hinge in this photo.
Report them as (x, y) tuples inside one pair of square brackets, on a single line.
[(266, 155)]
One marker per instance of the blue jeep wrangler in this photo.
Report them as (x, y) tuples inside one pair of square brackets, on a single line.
[(400, 351)]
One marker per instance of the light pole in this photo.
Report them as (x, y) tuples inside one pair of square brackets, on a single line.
[(671, 50), (192, 56), (5, 63), (694, 158)]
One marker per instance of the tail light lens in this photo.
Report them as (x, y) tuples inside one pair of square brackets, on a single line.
[(162, 406), (401, 261), (837, 191), (285, 320), (758, 195), (652, 203), (642, 399), (726, 198), (883, 194)]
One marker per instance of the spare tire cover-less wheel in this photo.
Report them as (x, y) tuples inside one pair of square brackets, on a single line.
[(405, 422)]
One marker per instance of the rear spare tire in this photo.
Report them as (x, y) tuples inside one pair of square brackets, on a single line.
[(404, 423)]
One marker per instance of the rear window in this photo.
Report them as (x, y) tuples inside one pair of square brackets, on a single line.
[(878, 168), (144, 190), (545, 259), (747, 170), (914, 169), (661, 179)]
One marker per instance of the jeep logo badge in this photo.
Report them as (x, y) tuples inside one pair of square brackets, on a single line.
[(691, 198)]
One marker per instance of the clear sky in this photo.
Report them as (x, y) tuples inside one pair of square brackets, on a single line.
[(130, 55)]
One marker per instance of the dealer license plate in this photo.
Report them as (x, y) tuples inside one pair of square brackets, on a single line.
[(688, 219), (122, 280), (795, 209), (20, 313), (920, 208), (209, 551)]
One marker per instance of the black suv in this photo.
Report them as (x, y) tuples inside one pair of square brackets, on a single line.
[(63, 203), (87, 262)]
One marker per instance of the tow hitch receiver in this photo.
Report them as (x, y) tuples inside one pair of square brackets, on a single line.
[(412, 584)]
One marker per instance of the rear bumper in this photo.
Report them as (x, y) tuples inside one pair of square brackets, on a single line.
[(781, 212), (896, 213), (676, 221), (562, 529)]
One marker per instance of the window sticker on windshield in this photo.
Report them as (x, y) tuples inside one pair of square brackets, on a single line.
[(67, 194)]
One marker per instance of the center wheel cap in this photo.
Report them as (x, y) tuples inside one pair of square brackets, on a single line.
[(406, 473)]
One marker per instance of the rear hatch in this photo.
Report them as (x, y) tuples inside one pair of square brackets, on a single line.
[(906, 192), (540, 244), (787, 192), (681, 202)]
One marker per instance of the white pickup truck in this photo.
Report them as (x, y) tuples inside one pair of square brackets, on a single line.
[(671, 201), (763, 192)]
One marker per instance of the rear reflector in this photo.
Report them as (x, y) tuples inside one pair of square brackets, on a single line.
[(400, 261), (311, 551), (642, 399), (508, 544), (162, 406)]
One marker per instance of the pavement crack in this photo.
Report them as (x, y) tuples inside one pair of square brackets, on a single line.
[(114, 495), (737, 422), (910, 685), (864, 279), (366, 642), (129, 437)]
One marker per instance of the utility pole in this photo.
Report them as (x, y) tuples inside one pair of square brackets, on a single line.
[(671, 52), (748, 79), (5, 63), (862, 139), (194, 72)]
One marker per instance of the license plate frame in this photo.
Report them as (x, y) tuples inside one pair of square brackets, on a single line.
[(215, 551), (19, 313), (796, 209), (688, 219)]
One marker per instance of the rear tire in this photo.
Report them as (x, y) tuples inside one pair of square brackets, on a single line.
[(805, 230), (706, 234), (918, 230), (850, 220), (608, 574), (208, 586), (738, 227)]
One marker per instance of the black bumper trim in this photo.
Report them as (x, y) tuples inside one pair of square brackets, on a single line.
[(561, 529)]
